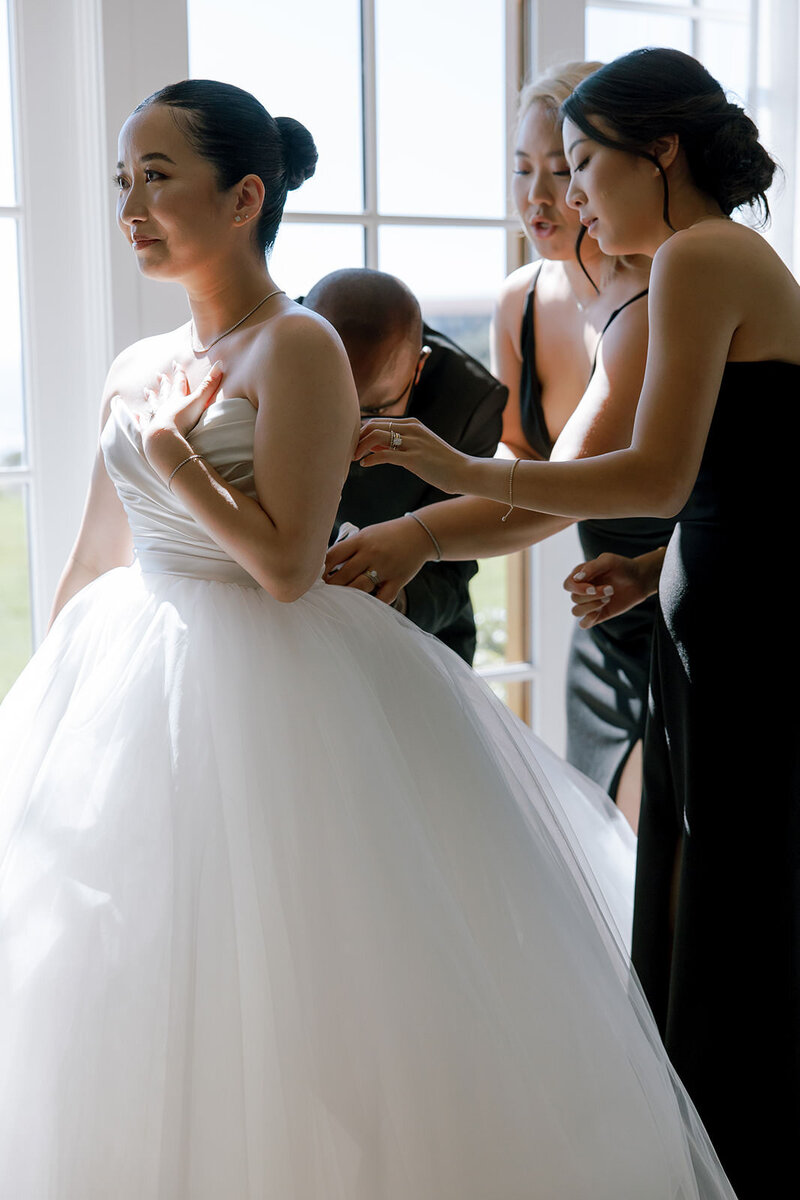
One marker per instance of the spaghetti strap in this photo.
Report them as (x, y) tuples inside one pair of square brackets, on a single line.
[(609, 322), (534, 425)]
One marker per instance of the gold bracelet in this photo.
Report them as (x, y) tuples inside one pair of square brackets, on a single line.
[(191, 458), (514, 466)]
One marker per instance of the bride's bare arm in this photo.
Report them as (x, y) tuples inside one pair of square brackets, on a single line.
[(104, 538), (304, 435)]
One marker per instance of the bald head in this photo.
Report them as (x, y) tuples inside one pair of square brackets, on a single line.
[(378, 318), (367, 305)]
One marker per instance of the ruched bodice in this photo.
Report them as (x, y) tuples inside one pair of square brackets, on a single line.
[(167, 539)]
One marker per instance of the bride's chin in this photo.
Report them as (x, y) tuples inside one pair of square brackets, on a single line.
[(153, 269)]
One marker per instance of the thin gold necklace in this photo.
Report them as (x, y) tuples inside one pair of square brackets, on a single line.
[(198, 350)]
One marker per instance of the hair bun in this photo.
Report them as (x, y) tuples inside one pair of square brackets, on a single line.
[(299, 151)]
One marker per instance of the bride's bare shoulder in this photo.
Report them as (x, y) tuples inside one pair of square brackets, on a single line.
[(300, 347), (297, 327), (298, 339)]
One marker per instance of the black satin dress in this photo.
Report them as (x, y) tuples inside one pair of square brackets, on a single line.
[(609, 666), (719, 837)]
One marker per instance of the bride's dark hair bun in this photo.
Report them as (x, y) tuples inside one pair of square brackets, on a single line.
[(300, 153), (650, 93), (234, 132)]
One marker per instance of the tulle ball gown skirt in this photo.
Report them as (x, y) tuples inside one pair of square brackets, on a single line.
[(292, 909)]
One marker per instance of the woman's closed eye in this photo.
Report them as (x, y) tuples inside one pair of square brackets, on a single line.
[(580, 165)]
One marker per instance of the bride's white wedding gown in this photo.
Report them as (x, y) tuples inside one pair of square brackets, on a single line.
[(291, 908)]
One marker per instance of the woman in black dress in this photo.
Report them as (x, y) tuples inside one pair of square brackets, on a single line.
[(569, 339), (659, 160)]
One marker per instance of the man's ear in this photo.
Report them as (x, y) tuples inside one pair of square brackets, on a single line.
[(665, 149), (424, 355)]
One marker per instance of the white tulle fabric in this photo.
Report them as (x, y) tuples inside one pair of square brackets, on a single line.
[(291, 908)]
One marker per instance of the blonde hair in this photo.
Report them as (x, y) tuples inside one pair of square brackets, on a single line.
[(552, 87)]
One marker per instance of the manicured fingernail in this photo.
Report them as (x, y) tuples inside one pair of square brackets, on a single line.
[(608, 590), (591, 591), (579, 575), (216, 370)]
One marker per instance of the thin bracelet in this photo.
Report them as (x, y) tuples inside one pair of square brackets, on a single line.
[(420, 521), (191, 458), (514, 466)]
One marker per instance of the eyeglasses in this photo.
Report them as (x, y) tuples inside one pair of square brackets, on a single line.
[(406, 394)]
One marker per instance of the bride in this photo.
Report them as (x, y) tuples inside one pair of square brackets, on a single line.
[(290, 906)]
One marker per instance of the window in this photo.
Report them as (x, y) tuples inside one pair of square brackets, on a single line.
[(750, 47), (413, 180), (718, 32)]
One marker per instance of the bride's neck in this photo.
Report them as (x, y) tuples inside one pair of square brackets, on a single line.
[(218, 303)]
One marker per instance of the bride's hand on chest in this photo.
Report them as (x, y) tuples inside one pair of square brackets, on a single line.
[(172, 408)]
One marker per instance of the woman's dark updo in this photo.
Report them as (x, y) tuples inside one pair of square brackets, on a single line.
[(650, 93), (234, 132)]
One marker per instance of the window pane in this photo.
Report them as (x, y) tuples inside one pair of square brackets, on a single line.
[(15, 607), (516, 695), (7, 189), (303, 253), (12, 421), (611, 32), (454, 272), (301, 61), (498, 598), (724, 51), (729, 6), (441, 107)]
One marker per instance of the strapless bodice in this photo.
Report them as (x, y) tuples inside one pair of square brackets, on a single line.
[(166, 537)]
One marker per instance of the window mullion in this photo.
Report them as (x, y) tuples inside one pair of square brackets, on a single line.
[(370, 127)]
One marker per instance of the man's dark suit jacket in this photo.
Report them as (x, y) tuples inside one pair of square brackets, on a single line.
[(460, 401)]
